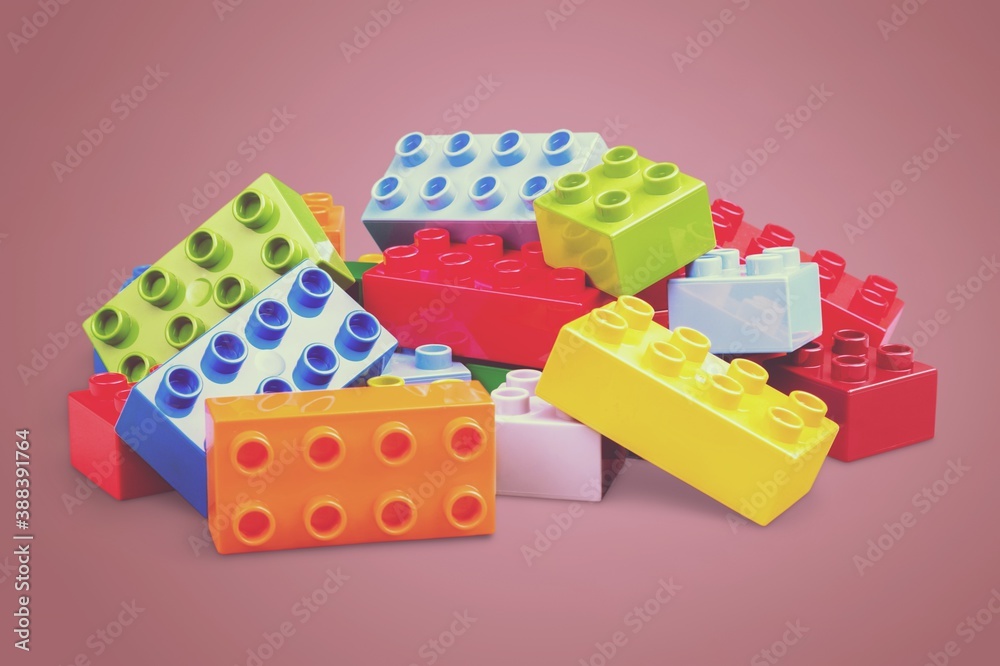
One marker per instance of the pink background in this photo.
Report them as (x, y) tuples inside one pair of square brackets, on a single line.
[(609, 62)]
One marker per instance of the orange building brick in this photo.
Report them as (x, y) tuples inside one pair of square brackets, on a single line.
[(358, 465), (330, 218)]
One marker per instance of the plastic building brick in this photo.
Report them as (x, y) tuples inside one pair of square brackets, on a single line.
[(386, 380), (95, 449), (357, 269), (370, 258), (880, 396), (261, 234), (426, 364), (732, 232), (391, 463), (717, 426), (99, 366), (656, 294), (770, 304), (301, 333), (628, 223), (136, 272), (868, 305), (330, 218), (543, 452), (473, 184), (482, 301), (490, 375)]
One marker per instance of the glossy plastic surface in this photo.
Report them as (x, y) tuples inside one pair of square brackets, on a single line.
[(770, 304), (257, 237), (361, 465), (545, 453), (486, 303), (302, 333), (425, 364), (880, 396), (96, 450), (358, 269), (330, 218), (490, 375), (99, 366), (868, 305), (473, 184), (715, 425), (628, 222)]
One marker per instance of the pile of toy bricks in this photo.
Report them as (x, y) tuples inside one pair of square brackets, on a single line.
[(541, 305)]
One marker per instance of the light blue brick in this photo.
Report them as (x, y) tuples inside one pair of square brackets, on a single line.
[(772, 304), (303, 332), (473, 184), (425, 364)]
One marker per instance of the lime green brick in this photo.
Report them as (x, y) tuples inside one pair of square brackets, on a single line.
[(628, 222), (261, 234)]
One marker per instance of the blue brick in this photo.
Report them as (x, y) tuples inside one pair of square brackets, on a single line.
[(303, 332), (99, 366), (772, 304), (425, 364), (474, 183)]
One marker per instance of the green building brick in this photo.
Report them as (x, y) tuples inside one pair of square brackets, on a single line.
[(627, 223), (261, 234), (358, 269), (490, 375)]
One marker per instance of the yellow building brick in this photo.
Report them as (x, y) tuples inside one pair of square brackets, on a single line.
[(715, 425)]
